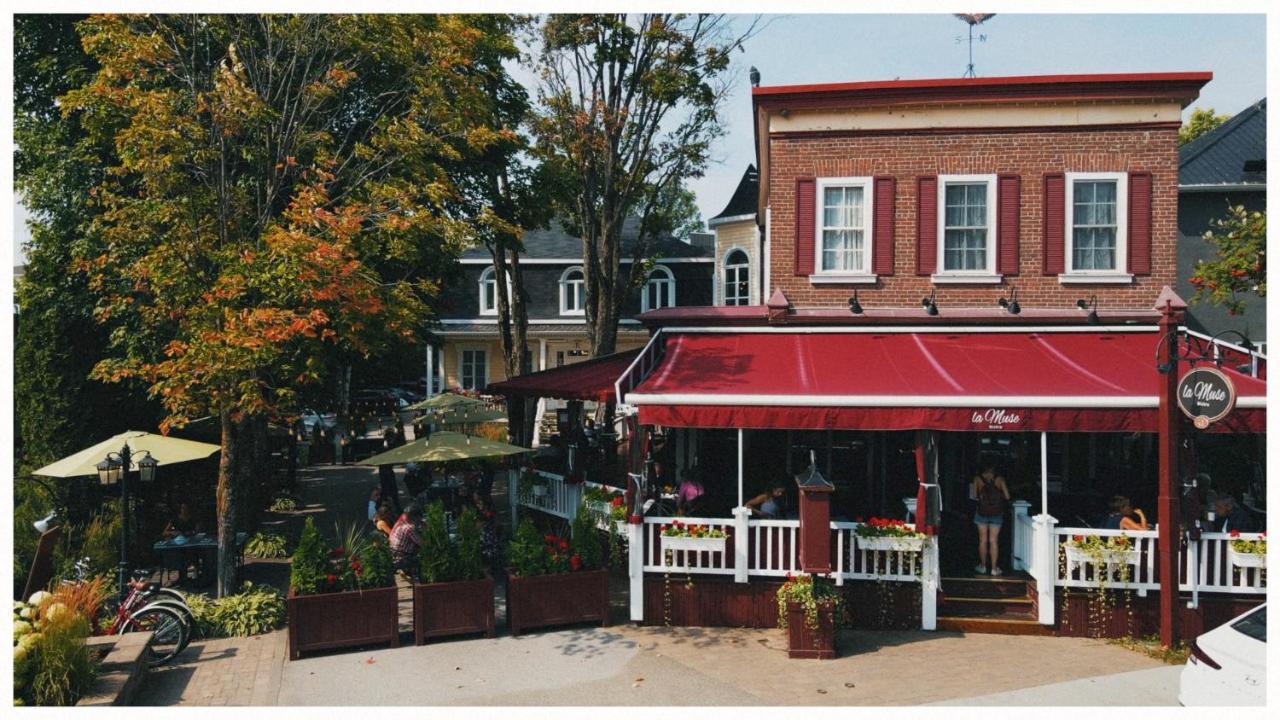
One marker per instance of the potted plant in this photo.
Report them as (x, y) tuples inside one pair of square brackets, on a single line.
[(556, 581), (1111, 550), (680, 535), (888, 534), (600, 499), (341, 597), (454, 592), (809, 608), (1246, 553)]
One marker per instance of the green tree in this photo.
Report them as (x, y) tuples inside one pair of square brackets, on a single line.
[(1240, 269), (629, 106), (1201, 121), (281, 198)]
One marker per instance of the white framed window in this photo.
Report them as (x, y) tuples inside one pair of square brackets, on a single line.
[(1097, 211), (843, 227), (659, 290), (737, 278), (573, 292), (488, 293), (966, 229), (473, 369)]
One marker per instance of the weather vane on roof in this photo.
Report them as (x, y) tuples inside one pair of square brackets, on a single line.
[(972, 19)]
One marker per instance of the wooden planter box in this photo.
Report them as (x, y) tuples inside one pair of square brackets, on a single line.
[(891, 544), (693, 544), (1245, 560), (452, 608), (560, 599), (806, 642), (343, 619)]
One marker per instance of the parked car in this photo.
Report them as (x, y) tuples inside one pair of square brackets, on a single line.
[(378, 401), (311, 417), (1228, 665)]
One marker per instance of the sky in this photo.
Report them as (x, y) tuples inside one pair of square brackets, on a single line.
[(790, 49)]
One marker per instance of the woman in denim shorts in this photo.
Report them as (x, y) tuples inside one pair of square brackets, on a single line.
[(992, 495)]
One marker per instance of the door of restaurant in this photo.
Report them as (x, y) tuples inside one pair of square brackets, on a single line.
[(960, 457)]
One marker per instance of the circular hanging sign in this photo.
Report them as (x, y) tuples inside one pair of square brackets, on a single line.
[(1206, 395)]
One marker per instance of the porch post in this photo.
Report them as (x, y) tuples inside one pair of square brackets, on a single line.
[(513, 483), (929, 585), (1020, 541), (1044, 565), (431, 370), (635, 568), (1044, 473), (1167, 502), (741, 540), (740, 467)]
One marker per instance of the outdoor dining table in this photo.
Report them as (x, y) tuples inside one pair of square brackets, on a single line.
[(201, 546)]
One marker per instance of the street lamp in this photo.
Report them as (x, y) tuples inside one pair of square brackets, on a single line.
[(114, 470)]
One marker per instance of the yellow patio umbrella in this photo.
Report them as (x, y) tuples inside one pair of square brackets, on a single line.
[(447, 401), (166, 451), (445, 446), (468, 416)]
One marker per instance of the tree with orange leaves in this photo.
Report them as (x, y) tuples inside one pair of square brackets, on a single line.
[(285, 194)]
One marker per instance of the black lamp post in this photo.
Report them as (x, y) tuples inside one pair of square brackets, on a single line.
[(114, 470)]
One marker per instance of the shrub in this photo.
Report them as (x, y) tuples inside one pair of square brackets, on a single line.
[(526, 552), (283, 504), (102, 540), (586, 543), (202, 609), (436, 554), (310, 561), (376, 561), (469, 563), (266, 545), (51, 663), (252, 611)]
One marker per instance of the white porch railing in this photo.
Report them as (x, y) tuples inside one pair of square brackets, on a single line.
[(716, 563), (1023, 535), (1204, 566), (855, 562), (562, 499)]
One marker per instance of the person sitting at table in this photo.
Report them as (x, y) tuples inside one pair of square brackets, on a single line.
[(184, 523), (1231, 515), (770, 504), (384, 519), (1122, 516), (375, 501), (689, 491), (405, 540)]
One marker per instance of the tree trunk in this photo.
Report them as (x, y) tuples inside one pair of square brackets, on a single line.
[(228, 496)]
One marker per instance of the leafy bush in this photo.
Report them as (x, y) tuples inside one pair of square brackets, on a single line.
[(378, 570), (202, 609), (266, 545), (446, 560), (52, 665), (102, 540), (252, 611), (525, 552), (469, 563), (283, 504), (586, 543), (310, 561)]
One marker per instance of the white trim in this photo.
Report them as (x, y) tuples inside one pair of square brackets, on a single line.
[(868, 214), (563, 285), (959, 279), (723, 280), (844, 279), (649, 279), (766, 260), (1222, 187), (1121, 180), (578, 261), (949, 329), (993, 213), (1120, 278), (947, 401), (1224, 343), (716, 222), (617, 384)]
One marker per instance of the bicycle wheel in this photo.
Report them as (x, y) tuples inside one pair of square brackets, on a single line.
[(169, 633), (184, 612)]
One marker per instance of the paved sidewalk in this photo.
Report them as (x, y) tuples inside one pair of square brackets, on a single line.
[(1154, 687), (226, 671)]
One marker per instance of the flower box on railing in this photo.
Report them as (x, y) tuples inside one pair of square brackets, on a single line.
[(693, 544), (1078, 556), (891, 544), (597, 508), (1246, 559)]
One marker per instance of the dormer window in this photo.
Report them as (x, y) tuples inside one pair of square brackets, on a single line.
[(659, 290), (737, 278), (573, 292), (488, 293)]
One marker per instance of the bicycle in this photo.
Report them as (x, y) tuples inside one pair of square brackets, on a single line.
[(148, 607)]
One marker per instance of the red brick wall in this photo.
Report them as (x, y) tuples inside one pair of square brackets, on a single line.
[(1029, 154)]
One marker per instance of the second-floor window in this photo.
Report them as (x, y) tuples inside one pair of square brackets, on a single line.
[(737, 278), (572, 292), (659, 290), (488, 293), (1095, 235), (844, 232), (967, 225)]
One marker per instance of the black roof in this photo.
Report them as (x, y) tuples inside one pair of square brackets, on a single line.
[(554, 242), (1234, 152), (744, 197)]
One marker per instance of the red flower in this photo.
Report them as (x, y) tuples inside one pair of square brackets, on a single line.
[(331, 578), (1234, 533), (616, 502), (355, 565), (338, 552), (575, 562), (564, 544), (1078, 538)]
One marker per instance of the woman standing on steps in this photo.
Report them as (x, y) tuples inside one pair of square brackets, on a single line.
[(992, 495)]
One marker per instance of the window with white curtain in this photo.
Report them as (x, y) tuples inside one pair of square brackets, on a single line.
[(737, 278)]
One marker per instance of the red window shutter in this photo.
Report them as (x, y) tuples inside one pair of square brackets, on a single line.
[(882, 231), (1009, 194), (806, 206), (926, 224), (1055, 224), (1140, 223)]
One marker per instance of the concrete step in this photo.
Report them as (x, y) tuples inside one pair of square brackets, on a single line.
[(985, 586), (999, 625), (986, 606)]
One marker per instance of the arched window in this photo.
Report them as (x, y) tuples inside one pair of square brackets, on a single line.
[(573, 292), (659, 290), (488, 293), (737, 278)]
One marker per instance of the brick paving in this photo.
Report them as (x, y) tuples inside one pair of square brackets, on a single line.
[(223, 671)]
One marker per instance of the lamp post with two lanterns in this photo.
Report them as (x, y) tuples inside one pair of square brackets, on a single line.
[(112, 471)]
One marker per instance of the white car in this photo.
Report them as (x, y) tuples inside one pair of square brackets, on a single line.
[(311, 417), (1228, 665)]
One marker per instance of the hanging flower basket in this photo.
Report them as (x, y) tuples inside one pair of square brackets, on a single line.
[(891, 544), (693, 544)]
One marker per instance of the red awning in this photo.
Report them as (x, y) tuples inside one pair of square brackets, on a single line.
[(1059, 380), (587, 380)]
